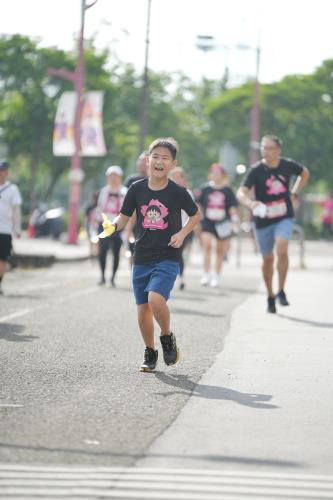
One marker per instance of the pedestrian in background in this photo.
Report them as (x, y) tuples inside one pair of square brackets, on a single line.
[(220, 221), (157, 202), (273, 210), (10, 217), (109, 202), (91, 224), (327, 217), (141, 173), (178, 175), (141, 170)]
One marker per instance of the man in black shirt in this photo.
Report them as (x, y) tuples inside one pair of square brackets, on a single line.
[(141, 173), (273, 209), (141, 170), (157, 202)]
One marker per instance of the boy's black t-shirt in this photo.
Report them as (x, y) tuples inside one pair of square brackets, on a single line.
[(158, 216), (271, 187), (216, 202)]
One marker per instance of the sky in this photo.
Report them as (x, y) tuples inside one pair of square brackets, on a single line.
[(294, 36)]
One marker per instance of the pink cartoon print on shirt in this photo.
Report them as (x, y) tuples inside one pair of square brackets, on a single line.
[(275, 185), (216, 206), (154, 214)]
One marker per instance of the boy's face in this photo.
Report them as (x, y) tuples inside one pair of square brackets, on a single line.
[(160, 162)]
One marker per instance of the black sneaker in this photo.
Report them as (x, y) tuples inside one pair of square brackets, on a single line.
[(271, 305), (281, 296), (170, 349), (150, 360)]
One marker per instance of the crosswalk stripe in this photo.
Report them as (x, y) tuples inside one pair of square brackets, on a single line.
[(75, 483)]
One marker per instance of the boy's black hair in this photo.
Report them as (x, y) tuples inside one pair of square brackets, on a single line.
[(165, 142)]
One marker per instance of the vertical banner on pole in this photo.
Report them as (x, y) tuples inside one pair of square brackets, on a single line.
[(63, 133), (92, 138)]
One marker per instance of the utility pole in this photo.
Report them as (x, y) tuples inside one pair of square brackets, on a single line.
[(145, 88), (75, 176)]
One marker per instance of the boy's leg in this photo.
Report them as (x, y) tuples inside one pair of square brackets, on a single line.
[(160, 311), (146, 324)]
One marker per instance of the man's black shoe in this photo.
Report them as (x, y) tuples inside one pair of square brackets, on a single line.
[(281, 296), (271, 305), (150, 360), (170, 349)]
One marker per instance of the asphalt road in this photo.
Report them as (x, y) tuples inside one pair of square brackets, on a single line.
[(71, 391)]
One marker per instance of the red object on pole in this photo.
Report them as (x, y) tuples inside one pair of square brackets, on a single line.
[(77, 77)]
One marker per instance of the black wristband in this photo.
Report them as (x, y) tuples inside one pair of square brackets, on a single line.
[(115, 226)]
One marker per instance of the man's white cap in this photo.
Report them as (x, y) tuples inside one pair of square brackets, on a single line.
[(114, 169)]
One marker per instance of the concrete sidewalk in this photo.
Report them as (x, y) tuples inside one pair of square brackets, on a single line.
[(37, 252), (266, 402)]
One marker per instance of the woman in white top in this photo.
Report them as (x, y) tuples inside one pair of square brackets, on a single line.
[(109, 202), (10, 216)]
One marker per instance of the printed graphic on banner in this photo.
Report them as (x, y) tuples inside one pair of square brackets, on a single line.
[(92, 139), (63, 133)]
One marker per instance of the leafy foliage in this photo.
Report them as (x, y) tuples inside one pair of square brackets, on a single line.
[(201, 116)]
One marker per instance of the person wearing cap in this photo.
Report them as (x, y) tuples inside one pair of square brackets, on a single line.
[(10, 217), (273, 210), (220, 221), (109, 201)]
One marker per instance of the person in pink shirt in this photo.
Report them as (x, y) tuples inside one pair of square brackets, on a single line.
[(327, 217)]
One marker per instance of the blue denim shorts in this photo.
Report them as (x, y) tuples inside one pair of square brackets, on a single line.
[(158, 277), (266, 236)]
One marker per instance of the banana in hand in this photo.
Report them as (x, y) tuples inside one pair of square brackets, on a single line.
[(108, 227)]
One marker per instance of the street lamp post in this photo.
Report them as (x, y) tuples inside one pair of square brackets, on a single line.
[(75, 177), (255, 115), (206, 43)]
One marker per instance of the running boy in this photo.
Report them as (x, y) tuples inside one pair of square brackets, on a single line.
[(157, 202)]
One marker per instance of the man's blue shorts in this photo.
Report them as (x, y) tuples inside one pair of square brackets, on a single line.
[(266, 236), (158, 277)]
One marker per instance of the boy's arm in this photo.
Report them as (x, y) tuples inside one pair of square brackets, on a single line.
[(109, 228), (120, 221), (177, 239)]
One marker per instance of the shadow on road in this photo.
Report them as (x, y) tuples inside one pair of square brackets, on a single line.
[(310, 322), (190, 388), (136, 456), (191, 312), (9, 331)]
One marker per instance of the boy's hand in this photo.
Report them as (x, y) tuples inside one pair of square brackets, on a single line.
[(176, 240), (108, 227)]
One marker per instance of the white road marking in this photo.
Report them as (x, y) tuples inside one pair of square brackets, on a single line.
[(29, 481), (16, 314)]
